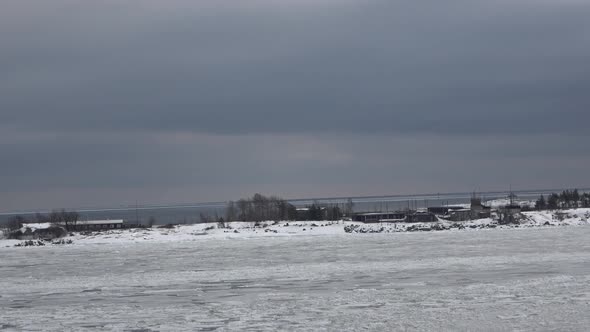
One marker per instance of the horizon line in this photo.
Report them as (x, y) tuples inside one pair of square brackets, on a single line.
[(221, 203)]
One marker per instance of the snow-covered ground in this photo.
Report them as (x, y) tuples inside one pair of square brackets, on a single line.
[(494, 280), (235, 230), (197, 232)]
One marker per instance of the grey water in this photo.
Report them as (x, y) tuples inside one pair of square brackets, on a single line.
[(191, 213)]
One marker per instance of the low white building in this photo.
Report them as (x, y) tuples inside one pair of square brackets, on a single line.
[(83, 225)]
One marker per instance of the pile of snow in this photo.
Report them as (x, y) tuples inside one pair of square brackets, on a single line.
[(496, 203), (32, 227), (35, 226), (571, 217)]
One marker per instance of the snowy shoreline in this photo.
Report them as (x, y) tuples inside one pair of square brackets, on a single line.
[(248, 230)]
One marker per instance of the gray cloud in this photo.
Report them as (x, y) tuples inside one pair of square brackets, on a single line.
[(185, 97)]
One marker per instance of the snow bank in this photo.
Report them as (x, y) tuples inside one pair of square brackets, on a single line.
[(557, 218), (250, 230), (234, 230)]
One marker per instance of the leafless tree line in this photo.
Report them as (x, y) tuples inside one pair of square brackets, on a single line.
[(58, 217), (260, 208)]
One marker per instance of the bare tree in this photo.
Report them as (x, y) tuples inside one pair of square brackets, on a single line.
[(230, 213), (260, 208), (205, 218), (259, 203), (349, 207), (70, 219), (244, 208), (15, 223), (41, 218)]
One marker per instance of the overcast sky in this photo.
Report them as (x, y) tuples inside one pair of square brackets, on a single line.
[(105, 103)]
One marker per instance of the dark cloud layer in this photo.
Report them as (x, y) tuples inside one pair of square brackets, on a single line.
[(185, 100)]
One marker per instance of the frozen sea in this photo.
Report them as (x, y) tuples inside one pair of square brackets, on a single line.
[(488, 280)]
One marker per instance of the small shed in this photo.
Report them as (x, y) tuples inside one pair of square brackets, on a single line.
[(421, 217), (460, 215), (440, 210)]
